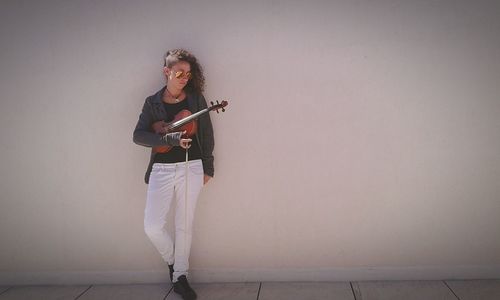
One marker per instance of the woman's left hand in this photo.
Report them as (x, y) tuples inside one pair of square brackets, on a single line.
[(206, 178)]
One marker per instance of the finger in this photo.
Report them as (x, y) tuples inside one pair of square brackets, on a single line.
[(185, 143)]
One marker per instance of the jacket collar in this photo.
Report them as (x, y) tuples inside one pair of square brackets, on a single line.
[(158, 99)]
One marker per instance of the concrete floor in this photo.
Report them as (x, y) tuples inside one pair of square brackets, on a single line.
[(363, 290)]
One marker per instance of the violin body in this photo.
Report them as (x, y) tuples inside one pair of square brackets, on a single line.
[(162, 128), (183, 121)]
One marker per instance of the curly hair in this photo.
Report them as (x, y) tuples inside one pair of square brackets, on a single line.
[(197, 82)]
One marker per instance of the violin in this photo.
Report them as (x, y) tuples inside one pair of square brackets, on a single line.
[(183, 121)]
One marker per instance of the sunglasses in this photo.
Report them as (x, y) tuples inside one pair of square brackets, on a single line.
[(180, 74)]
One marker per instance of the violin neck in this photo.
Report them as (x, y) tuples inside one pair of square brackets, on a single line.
[(187, 119)]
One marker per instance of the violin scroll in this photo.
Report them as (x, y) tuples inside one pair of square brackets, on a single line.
[(218, 106)]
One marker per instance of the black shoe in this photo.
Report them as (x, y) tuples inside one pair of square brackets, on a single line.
[(171, 271), (182, 288)]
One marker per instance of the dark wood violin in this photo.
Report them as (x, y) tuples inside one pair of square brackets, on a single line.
[(184, 121)]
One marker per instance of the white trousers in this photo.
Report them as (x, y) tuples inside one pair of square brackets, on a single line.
[(167, 183)]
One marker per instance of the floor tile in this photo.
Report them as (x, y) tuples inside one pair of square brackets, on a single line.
[(364, 290), (407, 290), (127, 292), (305, 290), (475, 289), (222, 291), (43, 292), (3, 288)]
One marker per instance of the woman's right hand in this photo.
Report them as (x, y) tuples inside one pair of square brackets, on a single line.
[(185, 143)]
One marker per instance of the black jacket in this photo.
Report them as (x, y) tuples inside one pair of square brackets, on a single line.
[(154, 110)]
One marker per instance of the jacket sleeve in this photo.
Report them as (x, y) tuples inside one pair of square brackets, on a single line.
[(207, 132), (143, 134)]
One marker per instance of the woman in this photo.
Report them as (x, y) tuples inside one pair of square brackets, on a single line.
[(168, 172)]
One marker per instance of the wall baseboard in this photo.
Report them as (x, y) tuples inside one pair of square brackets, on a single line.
[(255, 275)]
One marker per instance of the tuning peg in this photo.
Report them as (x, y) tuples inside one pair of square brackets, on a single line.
[(223, 109), (211, 102)]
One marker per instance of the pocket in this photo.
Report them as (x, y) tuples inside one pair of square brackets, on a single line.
[(196, 169)]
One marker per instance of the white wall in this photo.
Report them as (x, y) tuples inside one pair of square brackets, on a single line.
[(361, 139)]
